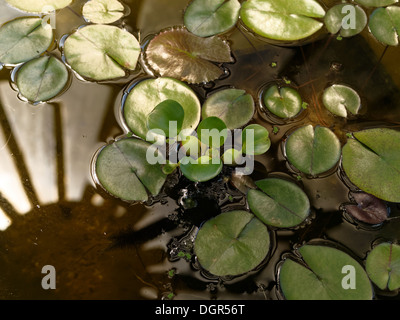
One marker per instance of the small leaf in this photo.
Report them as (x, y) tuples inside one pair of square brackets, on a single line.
[(212, 132), (339, 99), (255, 140), (39, 6), (202, 169), (103, 11), (165, 116), (368, 209), (376, 3), (285, 102), (335, 19), (169, 167), (232, 157), (384, 24)]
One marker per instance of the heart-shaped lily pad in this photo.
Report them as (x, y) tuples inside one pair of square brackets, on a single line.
[(383, 266), (340, 19), (255, 140), (313, 151), (376, 3), (123, 170), (368, 209), (339, 99), (371, 162), (280, 204), (283, 102), (103, 11), (182, 55), (325, 273), (23, 39), (101, 52), (206, 18), (42, 78), (285, 20), (232, 243), (39, 6), (212, 132), (200, 169), (384, 24)]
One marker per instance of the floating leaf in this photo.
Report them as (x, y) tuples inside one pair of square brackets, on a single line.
[(371, 162), (39, 6), (285, 102), (234, 106), (147, 94), (232, 243), (232, 157), (179, 54), (313, 151), (376, 3), (206, 18), (167, 115), (325, 274), (123, 170), (384, 24), (255, 140), (368, 209), (42, 78), (383, 266), (23, 39), (212, 132), (201, 169), (280, 204), (285, 20), (101, 52), (336, 20), (339, 99), (103, 11)]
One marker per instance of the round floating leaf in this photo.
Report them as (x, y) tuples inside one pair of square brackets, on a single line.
[(376, 3), (23, 39), (232, 243), (328, 274), (284, 102), (234, 106), (383, 266), (340, 19), (101, 52), (313, 151), (285, 20), (339, 99), (368, 209), (384, 24), (147, 94), (201, 169), (103, 11), (255, 140), (182, 55), (39, 6), (212, 132), (123, 170), (206, 18), (371, 162), (167, 115), (42, 78), (280, 204)]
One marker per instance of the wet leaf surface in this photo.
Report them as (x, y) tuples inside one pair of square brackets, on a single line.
[(200, 169), (339, 99), (384, 24), (368, 209), (39, 6), (283, 102), (103, 11)]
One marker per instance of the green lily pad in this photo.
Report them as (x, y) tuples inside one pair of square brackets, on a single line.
[(383, 266), (232, 157), (339, 99), (336, 20), (200, 169), (280, 204), (23, 39), (42, 78), (232, 243), (384, 24), (284, 20), (39, 6), (313, 151), (122, 170), (255, 140), (212, 132), (147, 94), (101, 52), (163, 114), (371, 162), (182, 55), (376, 3), (206, 18), (285, 102), (325, 273), (234, 106), (103, 11)]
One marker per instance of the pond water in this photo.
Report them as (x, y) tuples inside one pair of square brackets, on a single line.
[(52, 213)]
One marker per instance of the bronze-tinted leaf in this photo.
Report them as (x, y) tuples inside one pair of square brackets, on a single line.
[(369, 209)]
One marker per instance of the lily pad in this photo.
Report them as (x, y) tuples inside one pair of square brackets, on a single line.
[(283, 102), (122, 170), (234, 106), (101, 52), (313, 151), (206, 18), (336, 20), (383, 266), (42, 78), (325, 273), (147, 94), (368, 209), (103, 11), (339, 99), (371, 162), (23, 39), (39, 6), (182, 55), (212, 132), (255, 140), (284, 20), (201, 169), (280, 204), (376, 3), (232, 243), (384, 24)]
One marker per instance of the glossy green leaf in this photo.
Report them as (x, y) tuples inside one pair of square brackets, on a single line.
[(167, 116), (384, 24), (103, 11), (313, 151), (182, 55), (232, 243), (201, 169), (371, 162), (283, 102), (255, 140), (206, 18), (23, 39), (280, 203), (383, 266), (42, 78), (285, 20), (212, 132), (325, 273), (39, 6), (339, 99), (101, 52), (376, 3), (339, 19)]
